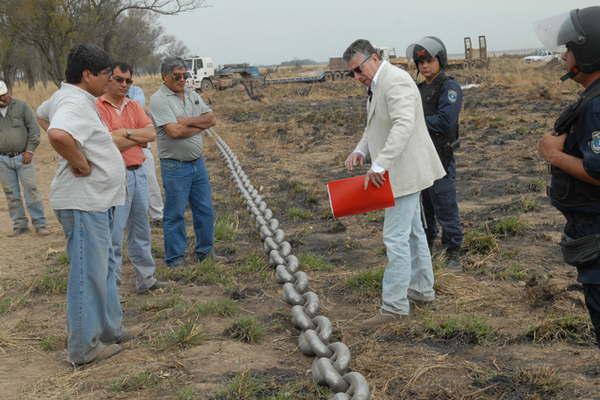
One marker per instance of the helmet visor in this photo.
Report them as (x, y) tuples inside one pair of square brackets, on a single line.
[(432, 46), (555, 32)]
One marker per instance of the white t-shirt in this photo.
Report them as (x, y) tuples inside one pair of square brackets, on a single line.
[(73, 110), (3, 111)]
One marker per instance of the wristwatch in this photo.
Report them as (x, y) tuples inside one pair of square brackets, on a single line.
[(128, 134)]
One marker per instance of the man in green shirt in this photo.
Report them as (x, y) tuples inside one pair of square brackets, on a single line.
[(19, 137)]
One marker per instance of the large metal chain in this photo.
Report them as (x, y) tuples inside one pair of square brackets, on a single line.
[(331, 364)]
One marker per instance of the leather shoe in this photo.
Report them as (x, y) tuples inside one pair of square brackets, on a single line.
[(381, 318), (155, 286)]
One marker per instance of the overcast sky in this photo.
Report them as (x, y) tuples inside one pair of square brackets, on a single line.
[(271, 31)]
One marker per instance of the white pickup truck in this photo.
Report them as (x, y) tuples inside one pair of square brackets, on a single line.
[(541, 55)]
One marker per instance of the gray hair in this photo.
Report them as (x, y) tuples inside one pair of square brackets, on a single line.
[(170, 63), (360, 46)]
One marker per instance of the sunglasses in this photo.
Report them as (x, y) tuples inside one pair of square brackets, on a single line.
[(120, 80), (358, 69), (180, 76)]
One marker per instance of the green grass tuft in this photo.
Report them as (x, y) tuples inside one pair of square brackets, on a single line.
[(53, 343), (247, 330), (208, 272), (516, 272), (314, 262), (53, 282), (510, 226), (463, 329), (366, 284), (133, 383), (227, 227), (220, 308), (298, 213), (480, 242), (186, 334)]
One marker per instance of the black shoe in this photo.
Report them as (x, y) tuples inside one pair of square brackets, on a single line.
[(453, 258), (18, 232)]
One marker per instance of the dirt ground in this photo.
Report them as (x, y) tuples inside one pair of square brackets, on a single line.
[(512, 325)]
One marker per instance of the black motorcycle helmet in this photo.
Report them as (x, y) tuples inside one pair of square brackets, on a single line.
[(579, 31), (427, 47)]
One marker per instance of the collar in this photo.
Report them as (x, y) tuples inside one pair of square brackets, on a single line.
[(70, 86), (169, 92), (594, 84), (376, 76), (105, 99)]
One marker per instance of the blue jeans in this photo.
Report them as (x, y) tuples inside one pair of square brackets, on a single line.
[(186, 182), (93, 309), (440, 205), (13, 171), (133, 216), (409, 266)]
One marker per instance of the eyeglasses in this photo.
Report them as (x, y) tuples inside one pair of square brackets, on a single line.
[(180, 76), (120, 80), (358, 69)]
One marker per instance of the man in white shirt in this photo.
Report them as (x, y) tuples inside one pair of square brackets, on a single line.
[(89, 183)]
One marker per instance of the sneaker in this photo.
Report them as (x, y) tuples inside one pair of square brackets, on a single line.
[(155, 286), (101, 352), (418, 297), (18, 232), (381, 318), (42, 231)]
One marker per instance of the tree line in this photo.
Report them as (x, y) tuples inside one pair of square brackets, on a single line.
[(36, 35)]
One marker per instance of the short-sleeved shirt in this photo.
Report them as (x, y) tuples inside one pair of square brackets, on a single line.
[(165, 107), (73, 110), (130, 115)]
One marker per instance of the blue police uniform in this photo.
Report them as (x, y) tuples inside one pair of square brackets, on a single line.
[(442, 103), (579, 201)]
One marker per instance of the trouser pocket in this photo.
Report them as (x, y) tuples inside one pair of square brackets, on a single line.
[(581, 252)]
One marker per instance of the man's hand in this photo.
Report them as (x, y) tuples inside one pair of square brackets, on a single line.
[(549, 146), (121, 132), (82, 170), (354, 159), (27, 157), (375, 178)]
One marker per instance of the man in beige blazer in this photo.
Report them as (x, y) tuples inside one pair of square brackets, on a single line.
[(397, 141)]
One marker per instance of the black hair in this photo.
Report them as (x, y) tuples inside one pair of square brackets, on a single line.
[(85, 56), (123, 66)]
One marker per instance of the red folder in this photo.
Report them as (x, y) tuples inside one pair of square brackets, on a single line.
[(348, 196)]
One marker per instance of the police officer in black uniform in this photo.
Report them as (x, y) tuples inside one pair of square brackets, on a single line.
[(442, 101), (573, 149)]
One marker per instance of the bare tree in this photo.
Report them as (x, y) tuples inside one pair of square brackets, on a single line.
[(52, 27)]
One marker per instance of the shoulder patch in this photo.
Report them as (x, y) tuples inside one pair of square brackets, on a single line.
[(452, 96), (595, 142)]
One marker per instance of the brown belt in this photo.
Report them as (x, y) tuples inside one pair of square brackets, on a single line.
[(133, 167)]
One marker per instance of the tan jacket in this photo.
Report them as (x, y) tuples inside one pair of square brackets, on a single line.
[(396, 136)]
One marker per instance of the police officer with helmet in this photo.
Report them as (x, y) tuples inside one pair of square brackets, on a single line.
[(573, 149), (442, 101)]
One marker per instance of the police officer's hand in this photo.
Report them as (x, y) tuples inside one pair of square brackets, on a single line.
[(353, 160), (376, 178), (27, 157), (550, 145)]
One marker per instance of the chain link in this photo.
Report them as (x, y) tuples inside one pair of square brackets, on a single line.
[(332, 360)]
